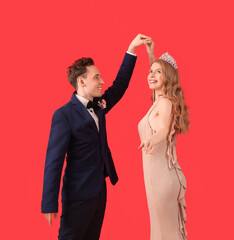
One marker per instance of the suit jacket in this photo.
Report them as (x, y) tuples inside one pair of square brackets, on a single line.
[(74, 134)]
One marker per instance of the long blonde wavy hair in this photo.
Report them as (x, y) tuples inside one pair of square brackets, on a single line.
[(173, 91)]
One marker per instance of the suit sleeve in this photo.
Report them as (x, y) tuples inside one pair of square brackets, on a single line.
[(114, 93), (60, 134)]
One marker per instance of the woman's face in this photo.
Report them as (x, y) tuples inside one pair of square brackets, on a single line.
[(156, 77)]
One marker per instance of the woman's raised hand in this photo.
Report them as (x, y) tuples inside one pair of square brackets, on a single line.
[(149, 43)]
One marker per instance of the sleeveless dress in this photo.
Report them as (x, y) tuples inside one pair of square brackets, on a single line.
[(165, 185)]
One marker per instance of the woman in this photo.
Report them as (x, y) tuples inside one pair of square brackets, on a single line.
[(164, 181)]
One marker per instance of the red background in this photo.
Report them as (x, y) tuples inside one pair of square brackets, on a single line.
[(40, 39)]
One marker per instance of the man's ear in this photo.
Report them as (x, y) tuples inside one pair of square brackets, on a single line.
[(80, 81)]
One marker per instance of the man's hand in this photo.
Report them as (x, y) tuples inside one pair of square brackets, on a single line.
[(48, 216), (137, 41)]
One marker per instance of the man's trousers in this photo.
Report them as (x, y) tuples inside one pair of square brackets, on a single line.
[(82, 220)]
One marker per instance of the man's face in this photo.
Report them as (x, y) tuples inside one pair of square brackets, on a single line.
[(92, 86)]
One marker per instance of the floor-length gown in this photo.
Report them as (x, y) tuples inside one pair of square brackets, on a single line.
[(165, 183)]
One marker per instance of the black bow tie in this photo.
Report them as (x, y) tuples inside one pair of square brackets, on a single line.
[(93, 105)]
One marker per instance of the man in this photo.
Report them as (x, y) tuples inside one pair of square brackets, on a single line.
[(78, 131)]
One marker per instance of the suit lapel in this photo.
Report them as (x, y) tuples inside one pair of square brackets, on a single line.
[(100, 122), (83, 111)]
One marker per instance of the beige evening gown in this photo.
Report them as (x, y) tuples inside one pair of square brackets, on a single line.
[(165, 183)]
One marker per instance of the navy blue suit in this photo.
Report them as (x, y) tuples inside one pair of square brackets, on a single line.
[(74, 134)]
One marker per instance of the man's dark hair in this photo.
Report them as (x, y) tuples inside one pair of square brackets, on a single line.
[(77, 69)]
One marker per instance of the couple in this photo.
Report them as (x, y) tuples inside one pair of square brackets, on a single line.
[(78, 131)]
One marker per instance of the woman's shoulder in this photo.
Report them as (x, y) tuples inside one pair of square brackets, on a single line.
[(163, 105), (164, 101)]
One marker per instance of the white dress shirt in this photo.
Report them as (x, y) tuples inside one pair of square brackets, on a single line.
[(85, 101), (133, 54)]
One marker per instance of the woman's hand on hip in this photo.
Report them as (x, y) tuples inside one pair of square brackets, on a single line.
[(148, 146)]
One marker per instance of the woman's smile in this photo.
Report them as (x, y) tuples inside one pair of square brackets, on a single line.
[(152, 81)]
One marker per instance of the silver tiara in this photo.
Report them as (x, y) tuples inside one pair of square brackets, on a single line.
[(168, 58)]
